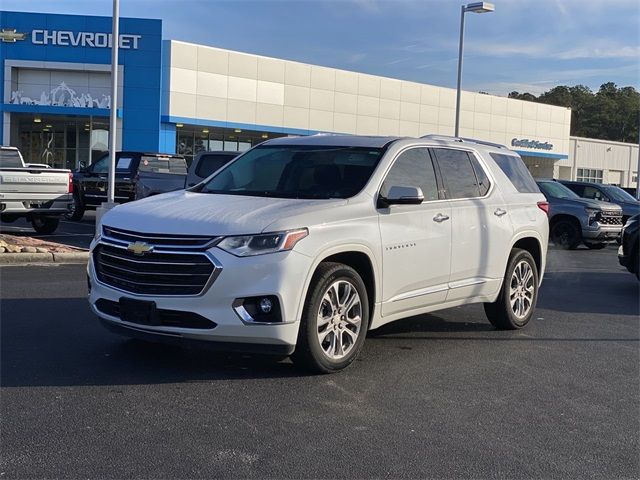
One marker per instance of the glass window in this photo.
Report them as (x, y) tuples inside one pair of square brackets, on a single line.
[(209, 163), (589, 175), (515, 169), (163, 164), (594, 193), (556, 190), (619, 194), (413, 168), (10, 159), (102, 165), (483, 180), (297, 171), (458, 174)]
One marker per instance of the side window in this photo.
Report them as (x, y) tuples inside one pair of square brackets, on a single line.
[(101, 166), (458, 173), (593, 193), (413, 168), (163, 165), (483, 181), (577, 189), (515, 169), (211, 163)]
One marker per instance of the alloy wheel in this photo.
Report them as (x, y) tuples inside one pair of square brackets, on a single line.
[(339, 319), (522, 289)]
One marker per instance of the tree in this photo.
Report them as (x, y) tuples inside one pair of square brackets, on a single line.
[(611, 113)]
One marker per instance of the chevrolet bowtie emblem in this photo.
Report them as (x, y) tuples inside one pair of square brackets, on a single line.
[(139, 248), (11, 36)]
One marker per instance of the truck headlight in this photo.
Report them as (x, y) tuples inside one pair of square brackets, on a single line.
[(248, 245), (591, 213)]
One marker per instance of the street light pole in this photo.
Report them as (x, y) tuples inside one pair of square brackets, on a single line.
[(115, 43), (476, 7)]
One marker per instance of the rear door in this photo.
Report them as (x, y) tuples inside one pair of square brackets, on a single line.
[(481, 228), (416, 239)]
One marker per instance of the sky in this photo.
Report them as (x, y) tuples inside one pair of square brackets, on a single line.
[(525, 45)]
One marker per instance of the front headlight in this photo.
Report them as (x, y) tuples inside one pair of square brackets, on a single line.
[(248, 245)]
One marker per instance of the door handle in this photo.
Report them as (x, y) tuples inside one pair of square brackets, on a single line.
[(500, 212), (440, 218)]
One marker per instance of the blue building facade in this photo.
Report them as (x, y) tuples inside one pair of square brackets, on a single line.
[(55, 73)]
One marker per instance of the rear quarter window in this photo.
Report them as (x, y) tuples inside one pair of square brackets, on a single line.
[(515, 169), (10, 159), (163, 164)]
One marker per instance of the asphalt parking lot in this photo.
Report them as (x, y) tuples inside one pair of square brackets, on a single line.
[(435, 396)]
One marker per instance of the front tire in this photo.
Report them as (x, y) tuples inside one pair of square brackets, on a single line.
[(334, 321), (566, 234), (517, 300), (45, 225)]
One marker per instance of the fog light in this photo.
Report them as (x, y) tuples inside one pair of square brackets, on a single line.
[(266, 305)]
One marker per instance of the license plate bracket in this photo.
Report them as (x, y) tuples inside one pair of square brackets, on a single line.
[(138, 311)]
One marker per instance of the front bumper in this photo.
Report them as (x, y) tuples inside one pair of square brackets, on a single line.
[(280, 274), (601, 233)]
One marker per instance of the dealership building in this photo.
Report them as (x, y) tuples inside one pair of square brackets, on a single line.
[(179, 97)]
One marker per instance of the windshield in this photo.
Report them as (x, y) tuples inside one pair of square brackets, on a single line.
[(556, 190), (296, 171), (618, 194), (10, 159)]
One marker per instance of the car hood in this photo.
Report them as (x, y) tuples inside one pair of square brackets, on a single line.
[(193, 213), (589, 203)]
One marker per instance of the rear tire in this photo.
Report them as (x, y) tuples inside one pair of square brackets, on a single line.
[(334, 321), (516, 303), (566, 234), (45, 225), (595, 246), (77, 211)]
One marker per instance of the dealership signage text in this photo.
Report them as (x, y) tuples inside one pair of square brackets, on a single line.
[(82, 39), (526, 143)]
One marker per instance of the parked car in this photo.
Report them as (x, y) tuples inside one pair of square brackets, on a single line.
[(629, 250), (206, 163), (41, 195), (138, 175), (574, 220), (301, 245), (606, 193)]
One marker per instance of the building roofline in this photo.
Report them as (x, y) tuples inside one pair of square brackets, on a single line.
[(598, 140)]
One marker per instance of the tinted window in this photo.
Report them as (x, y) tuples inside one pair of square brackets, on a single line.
[(556, 190), (577, 189), (163, 164), (593, 193), (10, 159), (102, 165), (413, 168), (210, 163), (457, 171), (297, 171), (481, 176), (515, 169)]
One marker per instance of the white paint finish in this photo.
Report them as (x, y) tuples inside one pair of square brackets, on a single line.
[(295, 96), (466, 120), (213, 60), (498, 124), (346, 82), (446, 118), (387, 126), (184, 55), (410, 92), (447, 98), (267, 114), (467, 101), (183, 80), (481, 121), (345, 103), (389, 109), (390, 88), (321, 120), (212, 84), (214, 108), (243, 65), (409, 129), (271, 69), (182, 104), (241, 111), (498, 106), (429, 114), (514, 108), (368, 85), (321, 99), (482, 103), (242, 89), (270, 92), (295, 117), (409, 111), (323, 78), (529, 111), (369, 106), (366, 125), (429, 95), (344, 122), (297, 74)]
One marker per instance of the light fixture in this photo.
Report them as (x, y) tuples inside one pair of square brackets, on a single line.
[(45, 129), (49, 126), (206, 130), (480, 7), (231, 136), (37, 120), (237, 130), (179, 125), (86, 124), (264, 135)]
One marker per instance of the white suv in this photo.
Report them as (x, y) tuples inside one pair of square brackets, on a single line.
[(301, 245)]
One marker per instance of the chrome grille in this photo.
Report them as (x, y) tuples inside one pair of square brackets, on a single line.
[(154, 273), (192, 242), (609, 217)]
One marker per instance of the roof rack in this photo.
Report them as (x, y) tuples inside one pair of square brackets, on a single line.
[(464, 140)]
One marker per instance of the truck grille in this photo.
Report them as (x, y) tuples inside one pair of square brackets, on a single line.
[(196, 242), (609, 217), (155, 272)]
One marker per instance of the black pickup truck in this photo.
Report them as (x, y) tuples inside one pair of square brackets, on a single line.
[(138, 175)]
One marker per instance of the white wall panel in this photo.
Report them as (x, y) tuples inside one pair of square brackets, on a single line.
[(271, 70), (323, 78), (243, 65), (346, 82), (270, 92), (321, 99), (212, 60), (297, 74), (242, 89), (295, 96)]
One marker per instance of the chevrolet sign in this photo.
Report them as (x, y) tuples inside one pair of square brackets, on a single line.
[(67, 38), (10, 35), (139, 248)]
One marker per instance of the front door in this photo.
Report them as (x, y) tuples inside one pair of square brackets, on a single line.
[(416, 239)]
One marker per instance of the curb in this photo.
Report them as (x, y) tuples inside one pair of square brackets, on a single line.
[(32, 258)]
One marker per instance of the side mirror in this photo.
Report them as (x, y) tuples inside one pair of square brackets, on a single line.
[(401, 196)]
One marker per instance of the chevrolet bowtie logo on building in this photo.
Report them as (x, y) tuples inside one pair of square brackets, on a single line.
[(139, 248), (10, 35)]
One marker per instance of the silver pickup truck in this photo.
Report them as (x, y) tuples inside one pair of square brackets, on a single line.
[(41, 195)]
